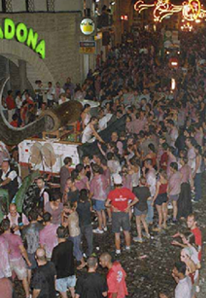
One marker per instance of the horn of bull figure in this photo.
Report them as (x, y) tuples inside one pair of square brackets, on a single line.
[(48, 121)]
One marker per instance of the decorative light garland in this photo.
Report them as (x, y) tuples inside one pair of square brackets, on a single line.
[(163, 9), (192, 10), (187, 27)]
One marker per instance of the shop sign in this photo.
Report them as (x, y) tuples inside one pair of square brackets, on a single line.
[(87, 26), (87, 47), (22, 34)]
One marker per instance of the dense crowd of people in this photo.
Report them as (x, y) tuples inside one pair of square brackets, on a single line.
[(150, 172)]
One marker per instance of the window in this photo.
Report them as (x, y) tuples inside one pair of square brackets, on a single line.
[(51, 5), (30, 6), (7, 5)]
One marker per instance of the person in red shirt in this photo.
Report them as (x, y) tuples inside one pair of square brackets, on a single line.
[(10, 102), (28, 99), (164, 157), (192, 225), (116, 275), (14, 121), (119, 201)]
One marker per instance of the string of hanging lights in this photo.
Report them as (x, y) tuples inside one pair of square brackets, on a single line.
[(192, 10)]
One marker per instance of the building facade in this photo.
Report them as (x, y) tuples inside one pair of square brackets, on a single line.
[(55, 22)]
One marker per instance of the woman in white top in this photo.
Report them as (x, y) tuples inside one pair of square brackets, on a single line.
[(85, 115), (90, 131)]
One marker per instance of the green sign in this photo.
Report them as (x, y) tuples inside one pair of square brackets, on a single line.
[(24, 35)]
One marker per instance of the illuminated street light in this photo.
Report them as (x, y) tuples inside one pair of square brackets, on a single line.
[(173, 84)]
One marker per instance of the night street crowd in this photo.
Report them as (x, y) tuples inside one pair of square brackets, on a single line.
[(150, 173)]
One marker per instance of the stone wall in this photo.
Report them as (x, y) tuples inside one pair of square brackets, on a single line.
[(61, 33)]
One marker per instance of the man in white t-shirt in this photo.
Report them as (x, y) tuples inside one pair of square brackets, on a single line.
[(50, 95), (43, 194), (18, 100), (104, 119), (184, 285), (9, 179)]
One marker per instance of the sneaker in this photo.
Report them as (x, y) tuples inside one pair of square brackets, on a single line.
[(104, 228), (169, 206), (147, 236), (98, 231), (118, 252), (128, 249), (197, 289), (137, 239), (195, 201)]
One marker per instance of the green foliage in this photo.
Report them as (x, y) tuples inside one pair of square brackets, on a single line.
[(4, 203), (19, 198)]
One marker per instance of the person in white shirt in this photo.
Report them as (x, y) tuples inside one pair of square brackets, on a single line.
[(9, 179), (17, 221), (18, 100), (191, 155), (113, 164), (43, 194), (151, 181), (50, 95), (173, 131), (58, 91), (184, 284), (63, 98), (90, 131), (104, 119)]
